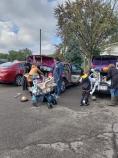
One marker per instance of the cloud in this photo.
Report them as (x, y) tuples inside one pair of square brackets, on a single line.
[(21, 21)]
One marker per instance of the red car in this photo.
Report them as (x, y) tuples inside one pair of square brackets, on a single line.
[(12, 72)]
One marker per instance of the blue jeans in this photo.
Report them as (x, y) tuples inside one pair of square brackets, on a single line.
[(114, 92), (58, 88)]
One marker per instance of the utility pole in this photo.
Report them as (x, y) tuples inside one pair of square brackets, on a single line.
[(40, 47)]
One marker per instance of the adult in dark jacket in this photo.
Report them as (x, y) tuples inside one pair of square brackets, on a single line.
[(113, 75), (57, 73), (27, 68)]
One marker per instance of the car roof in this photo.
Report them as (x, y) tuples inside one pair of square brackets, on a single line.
[(105, 56)]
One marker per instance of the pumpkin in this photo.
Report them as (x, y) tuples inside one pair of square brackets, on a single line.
[(105, 69)]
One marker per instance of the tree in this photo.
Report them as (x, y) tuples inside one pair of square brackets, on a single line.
[(3, 56), (19, 55), (92, 22), (72, 53)]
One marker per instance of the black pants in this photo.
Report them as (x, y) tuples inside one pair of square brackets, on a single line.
[(85, 96), (24, 83)]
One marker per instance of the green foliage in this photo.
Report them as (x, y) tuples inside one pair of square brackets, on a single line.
[(59, 53), (3, 56), (19, 55), (92, 22), (72, 53), (16, 55)]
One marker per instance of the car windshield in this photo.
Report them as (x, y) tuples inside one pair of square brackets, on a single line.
[(6, 65), (46, 68), (76, 68)]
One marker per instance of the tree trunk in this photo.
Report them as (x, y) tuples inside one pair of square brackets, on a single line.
[(87, 63)]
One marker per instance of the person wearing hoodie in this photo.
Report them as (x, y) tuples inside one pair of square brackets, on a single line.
[(113, 76), (57, 73)]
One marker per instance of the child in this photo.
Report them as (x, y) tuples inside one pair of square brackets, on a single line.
[(86, 87)]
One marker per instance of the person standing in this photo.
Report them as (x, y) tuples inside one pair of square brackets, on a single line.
[(113, 76), (27, 68), (57, 73), (86, 87)]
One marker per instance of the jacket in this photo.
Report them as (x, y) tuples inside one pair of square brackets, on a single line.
[(86, 84), (113, 75), (58, 70)]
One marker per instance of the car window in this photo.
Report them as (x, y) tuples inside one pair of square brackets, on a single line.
[(46, 68), (66, 67), (103, 60), (1, 62), (76, 69), (22, 65)]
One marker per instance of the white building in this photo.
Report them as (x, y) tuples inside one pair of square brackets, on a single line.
[(111, 49)]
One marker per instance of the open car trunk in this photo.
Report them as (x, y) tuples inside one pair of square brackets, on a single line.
[(45, 63), (41, 60), (99, 62), (46, 70)]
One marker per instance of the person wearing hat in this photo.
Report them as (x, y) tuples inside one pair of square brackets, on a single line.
[(113, 76), (86, 87)]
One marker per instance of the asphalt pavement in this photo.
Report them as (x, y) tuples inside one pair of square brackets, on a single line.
[(66, 131)]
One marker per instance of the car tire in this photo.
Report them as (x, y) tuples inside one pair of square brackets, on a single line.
[(64, 85), (18, 80)]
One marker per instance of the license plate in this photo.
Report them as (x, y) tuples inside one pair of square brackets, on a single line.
[(103, 88)]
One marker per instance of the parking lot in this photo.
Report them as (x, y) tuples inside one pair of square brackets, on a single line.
[(66, 131)]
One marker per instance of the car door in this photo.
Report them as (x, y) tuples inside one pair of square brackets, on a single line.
[(75, 73), (67, 72), (21, 68)]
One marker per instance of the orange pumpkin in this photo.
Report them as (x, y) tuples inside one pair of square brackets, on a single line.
[(105, 69)]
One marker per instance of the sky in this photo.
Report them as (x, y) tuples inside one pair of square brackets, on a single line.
[(21, 21)]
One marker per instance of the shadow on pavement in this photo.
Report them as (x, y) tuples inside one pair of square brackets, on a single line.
[(7, 85), (102, 95)]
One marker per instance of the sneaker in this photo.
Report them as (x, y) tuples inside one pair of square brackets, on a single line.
[(81, 104), (86, 104), (50, 106), (56, 96), (35, 104)]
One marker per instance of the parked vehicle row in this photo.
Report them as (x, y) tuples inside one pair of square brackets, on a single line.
[(70, 75), (3, 61), (12, 72)]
